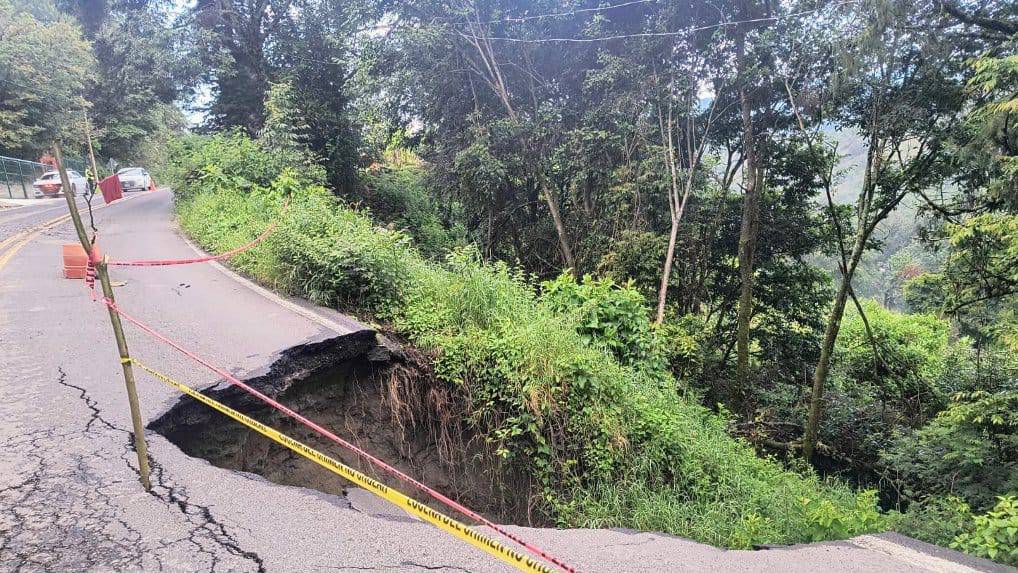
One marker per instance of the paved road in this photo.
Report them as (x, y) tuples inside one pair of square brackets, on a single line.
[(29, 213), (69, 496)]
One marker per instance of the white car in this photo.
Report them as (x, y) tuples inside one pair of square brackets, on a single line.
[(134, 179), (49, 184)]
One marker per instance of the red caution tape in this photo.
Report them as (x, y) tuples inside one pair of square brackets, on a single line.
[(167, 262), (533, 549), (93, 258)]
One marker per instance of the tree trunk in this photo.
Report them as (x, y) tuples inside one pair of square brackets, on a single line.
[(666, 273), (747, 234), (673, 208), (809, 440), (560, 229), (747, 247)]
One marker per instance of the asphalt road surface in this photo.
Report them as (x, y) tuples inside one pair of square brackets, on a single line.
[(69, 493), (24, 214)]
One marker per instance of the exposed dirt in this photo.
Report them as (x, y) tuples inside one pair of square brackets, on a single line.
[(383, 401)]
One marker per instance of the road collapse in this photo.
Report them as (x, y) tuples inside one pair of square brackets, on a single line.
[(383, 403)]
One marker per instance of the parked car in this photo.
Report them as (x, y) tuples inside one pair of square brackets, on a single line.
[(134, 179), (49, 184)]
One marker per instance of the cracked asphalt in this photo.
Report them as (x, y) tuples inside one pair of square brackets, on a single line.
[(69, 493)]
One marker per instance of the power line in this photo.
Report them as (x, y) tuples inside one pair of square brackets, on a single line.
[(569, 13), (652, 34)]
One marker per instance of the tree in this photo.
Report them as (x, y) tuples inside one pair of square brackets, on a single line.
[(904, 96), (752, 167), (247, 45), (139, 73), (137, 78), (285, 129), (44, 70), (695, 138), (557, 143), (231, 37)]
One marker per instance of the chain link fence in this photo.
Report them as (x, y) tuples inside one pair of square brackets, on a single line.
[(17, 175)]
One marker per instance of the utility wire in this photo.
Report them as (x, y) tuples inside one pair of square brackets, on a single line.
[(568, 13), (654, 34)]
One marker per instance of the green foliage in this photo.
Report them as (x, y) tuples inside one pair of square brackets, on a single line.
[(396, 193), (968, 450), (636, 256), (937, 520), (950, 522), (985, 248), (241, 47), (136, 79), (154, 151), (234, 156), (46, 63), (995, 534), (978, 284), (285, 128), (903, 361), (988, 161), (609, 316), (607, 443)]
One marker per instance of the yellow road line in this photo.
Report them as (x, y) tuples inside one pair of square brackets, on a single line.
[(32, 232), (19, 240), (36, 227), (410, 505)]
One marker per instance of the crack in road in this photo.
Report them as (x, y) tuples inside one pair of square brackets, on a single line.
[(45, 525)]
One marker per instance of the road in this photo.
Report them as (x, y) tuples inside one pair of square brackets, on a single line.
[(21, 215), (69, 494)]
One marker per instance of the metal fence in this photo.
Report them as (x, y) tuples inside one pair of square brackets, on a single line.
[(17, 175)]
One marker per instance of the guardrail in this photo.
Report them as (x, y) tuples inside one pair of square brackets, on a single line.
[(17, 175)]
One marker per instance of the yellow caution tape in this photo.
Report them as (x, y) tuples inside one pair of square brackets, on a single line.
[(410, 505)]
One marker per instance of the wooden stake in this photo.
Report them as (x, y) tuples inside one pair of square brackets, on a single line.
[(118, 329), (91, 153)]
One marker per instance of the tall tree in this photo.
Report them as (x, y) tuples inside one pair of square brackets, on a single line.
[(754, 92), (245, 45), (139, 75), (233, 36), (45, 65), (683, 151), (903, 94)]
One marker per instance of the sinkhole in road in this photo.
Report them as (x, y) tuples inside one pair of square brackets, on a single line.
[(381, 398)]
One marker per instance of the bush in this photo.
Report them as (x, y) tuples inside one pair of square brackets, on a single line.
[(906, 368), (969, 450), (243, 161), (895, 382), (993, 535), (936, 520), (611, 317), (596, 425), (396, 195)]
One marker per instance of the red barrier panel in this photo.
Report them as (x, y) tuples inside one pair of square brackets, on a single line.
[(111, 189)]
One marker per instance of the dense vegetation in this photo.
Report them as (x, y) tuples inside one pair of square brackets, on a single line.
[(568, 382), (707, 268)]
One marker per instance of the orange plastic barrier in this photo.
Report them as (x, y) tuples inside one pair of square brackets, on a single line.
[(76, 260)]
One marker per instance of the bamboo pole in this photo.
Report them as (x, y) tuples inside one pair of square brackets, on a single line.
[(91, 154), (140, 446)]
